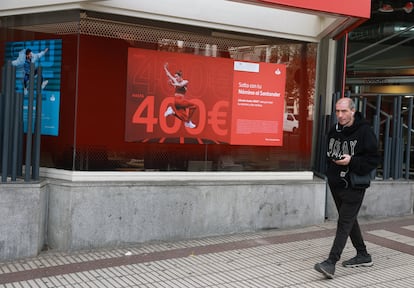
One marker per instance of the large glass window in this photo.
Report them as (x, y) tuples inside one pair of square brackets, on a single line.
[(93, 95)]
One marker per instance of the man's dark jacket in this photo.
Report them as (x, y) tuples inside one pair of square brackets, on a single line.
[(357, 140)]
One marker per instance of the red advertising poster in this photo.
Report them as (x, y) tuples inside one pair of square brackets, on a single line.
[(258, 103), (159, 110), (184, 98), (355, 8)]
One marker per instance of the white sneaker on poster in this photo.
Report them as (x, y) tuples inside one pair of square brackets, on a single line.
[(44, 83), (189, 124), (169, 111)]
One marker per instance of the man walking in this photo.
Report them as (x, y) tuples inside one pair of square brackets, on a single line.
[(352, 147)]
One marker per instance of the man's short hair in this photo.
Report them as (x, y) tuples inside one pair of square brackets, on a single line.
[(351, 103), (28, 51)]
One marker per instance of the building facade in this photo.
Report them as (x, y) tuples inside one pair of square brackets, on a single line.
[(125, 159)]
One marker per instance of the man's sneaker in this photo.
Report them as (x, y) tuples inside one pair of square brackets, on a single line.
[(169, 111), (408, 7), (386, 8), (189, 124), (44, 83), (327, 268), (358, 261), (25, 91)]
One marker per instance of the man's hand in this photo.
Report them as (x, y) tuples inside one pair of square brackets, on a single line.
[(346, 158)]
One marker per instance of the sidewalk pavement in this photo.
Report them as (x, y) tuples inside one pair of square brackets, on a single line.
[(273, 258)]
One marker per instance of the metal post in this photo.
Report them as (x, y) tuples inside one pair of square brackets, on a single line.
[(2, 102), (408, 147), (16, 165), (387, 148), (377, 123), (29, 124), (6, 124), (38, 126), (364, 107), (397, 138), (394, 140), (15, 127)]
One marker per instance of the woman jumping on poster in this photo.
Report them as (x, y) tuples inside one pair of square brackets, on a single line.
[(181, 105)]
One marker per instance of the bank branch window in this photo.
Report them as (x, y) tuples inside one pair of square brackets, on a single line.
[(177, 101)]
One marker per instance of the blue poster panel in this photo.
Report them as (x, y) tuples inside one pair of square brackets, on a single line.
[(46, 54)]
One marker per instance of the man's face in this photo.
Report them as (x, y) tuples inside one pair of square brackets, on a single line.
[(29, 56), (344, 114)]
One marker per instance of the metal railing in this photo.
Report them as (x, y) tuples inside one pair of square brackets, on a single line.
[(12, 126)]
